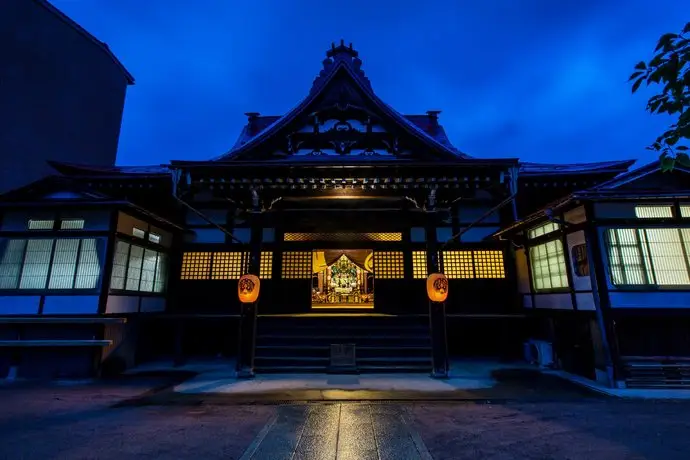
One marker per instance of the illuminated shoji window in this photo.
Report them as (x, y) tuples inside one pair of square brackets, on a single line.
[(266, 265), (196, 266), (653, 211), (648, 256), (488, 264), (228, 265), (419, 270), (548, 266), (297, 264), (388, 264), (544, 229), (684, 210), (458, 264)]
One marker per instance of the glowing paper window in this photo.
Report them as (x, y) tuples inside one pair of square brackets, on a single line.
[(72, 224), (655, 256), (297, 264), (228, 265), (548, 266), (488, 264), (684, 210), (196, 266), (544, 229), (458, 264), (266, 267), (388, 264), (419, 270), (36, 224), (64, 264), (36, 264), (49, 263), (653, 211), (88, 267), (11, 263), (343, 236)]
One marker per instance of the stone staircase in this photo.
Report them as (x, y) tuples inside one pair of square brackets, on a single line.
[(302, 343)]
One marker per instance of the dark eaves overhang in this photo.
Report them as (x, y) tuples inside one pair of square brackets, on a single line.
[(335, 164), (590, 195)]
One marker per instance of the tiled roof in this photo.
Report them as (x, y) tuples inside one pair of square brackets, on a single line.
[(539, 169), (340, 59)]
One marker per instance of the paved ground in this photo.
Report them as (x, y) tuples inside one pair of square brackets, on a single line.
[(545, 420)]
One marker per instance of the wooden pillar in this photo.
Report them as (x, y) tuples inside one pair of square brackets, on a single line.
[(247, 326), (597, 275), (437, 310)]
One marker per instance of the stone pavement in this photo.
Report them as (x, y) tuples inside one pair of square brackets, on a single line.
[(338, 431)]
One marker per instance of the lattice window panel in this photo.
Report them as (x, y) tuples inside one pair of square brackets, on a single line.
[(489, 264), (228, 265), (458, 264), (72, 224), (38, 224), (419, 267), (344, 236), (653, 211), (196, 266), (266, 265), (297, 264), (544, 229), (388, 264)]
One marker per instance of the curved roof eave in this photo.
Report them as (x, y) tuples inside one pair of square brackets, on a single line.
[(288, 117)]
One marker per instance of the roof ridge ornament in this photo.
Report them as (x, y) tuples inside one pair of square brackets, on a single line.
[(340, 54)]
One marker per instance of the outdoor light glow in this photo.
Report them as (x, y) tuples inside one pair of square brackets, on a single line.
[(248, 288), (437, 287)]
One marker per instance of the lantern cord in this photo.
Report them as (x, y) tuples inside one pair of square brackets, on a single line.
[(481, 218)]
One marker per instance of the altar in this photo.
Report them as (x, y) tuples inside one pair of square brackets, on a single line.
[(342, 279)]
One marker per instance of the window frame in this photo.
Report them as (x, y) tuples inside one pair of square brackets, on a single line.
[(556, 238), (145, 245), (643, 254), (100, 242)]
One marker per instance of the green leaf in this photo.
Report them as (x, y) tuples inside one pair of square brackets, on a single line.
[(637, 84), (641, 66), (635, 75), (682, 148), (686, 29), (665, 40), (683, 159), (667, 164)]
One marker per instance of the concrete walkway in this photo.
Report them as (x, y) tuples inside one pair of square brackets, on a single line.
[(338, 431)]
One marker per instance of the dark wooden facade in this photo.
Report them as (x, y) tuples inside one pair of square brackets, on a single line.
[(341, 171)]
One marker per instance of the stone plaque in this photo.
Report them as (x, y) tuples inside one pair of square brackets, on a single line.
[(343, 357)]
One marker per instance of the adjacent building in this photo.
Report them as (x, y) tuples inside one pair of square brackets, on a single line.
[(62, 93), (342, 207)]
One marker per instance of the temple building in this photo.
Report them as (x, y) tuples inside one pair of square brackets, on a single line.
[(343, 207)]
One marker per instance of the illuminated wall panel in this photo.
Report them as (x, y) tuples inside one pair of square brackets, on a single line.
[(266, 267), (196, 266), (228, 265), (297, 264), (419, 270), (388, 264)]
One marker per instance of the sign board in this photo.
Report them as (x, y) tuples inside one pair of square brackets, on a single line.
[(343, 357)]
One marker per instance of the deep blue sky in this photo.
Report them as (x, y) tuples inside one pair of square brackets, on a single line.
[(542, 80)]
